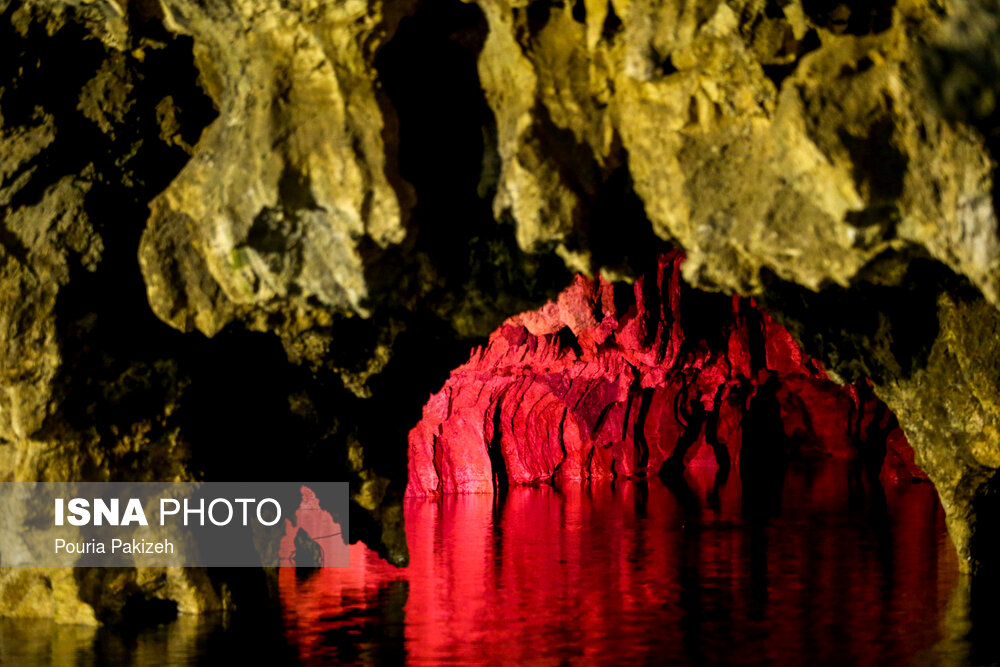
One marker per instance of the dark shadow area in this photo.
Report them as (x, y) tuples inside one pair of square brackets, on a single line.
[(869, 330), (853, 17), (704, 319), (628, 246), (474, 272), (778, 73), (143, 610), (384, 641), (307, 555), (763, 454), (500, 480), (985, 580)]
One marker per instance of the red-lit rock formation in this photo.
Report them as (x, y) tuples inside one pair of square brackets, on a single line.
[(608, 380), (317, 523)]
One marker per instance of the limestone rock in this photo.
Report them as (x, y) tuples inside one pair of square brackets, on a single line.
[(788, 148), (276, 226), (603, 384), (71, 406), (289, 194)]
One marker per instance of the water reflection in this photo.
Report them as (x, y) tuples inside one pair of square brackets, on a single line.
[(840, 570), (37, 642), (189, 640)]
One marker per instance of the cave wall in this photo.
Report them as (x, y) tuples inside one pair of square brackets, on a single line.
[(231, 225)]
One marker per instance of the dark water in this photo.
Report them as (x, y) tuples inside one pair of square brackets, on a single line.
[(846, 572)]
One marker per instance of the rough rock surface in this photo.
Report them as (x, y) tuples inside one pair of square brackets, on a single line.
[(125, 128), (229, 225), (608, 381), (834, 159), (80, 158)]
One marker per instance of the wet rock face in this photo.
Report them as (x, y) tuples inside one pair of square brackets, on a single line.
[(614, 381), (226, 226)]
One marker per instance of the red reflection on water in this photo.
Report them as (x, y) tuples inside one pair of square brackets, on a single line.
[(589, 572)]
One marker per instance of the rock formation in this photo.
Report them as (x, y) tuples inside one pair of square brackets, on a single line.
[(620, 381), (234, 229)]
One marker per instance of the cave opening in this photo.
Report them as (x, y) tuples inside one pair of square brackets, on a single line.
[(851, 17)]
